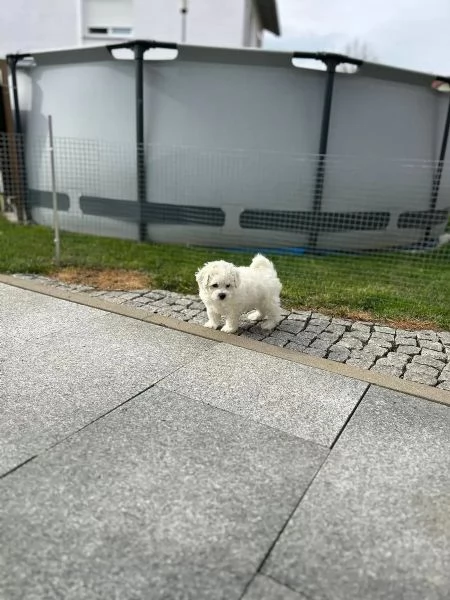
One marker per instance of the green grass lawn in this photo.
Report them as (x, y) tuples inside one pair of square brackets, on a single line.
[(409, 289)]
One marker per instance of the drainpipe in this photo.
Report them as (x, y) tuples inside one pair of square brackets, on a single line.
[(23, 205)]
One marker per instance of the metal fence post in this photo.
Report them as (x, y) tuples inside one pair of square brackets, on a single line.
[(437, 176), (54, 194), (331, 62)]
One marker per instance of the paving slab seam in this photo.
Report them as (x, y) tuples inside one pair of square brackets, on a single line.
[(301, 595), (282, 529), (98, 418), (17, 467), (349, 418), (75, 432), (382, 377)]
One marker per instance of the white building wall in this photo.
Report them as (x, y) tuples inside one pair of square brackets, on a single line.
[(38, 24), (209, 22), (42, 24)]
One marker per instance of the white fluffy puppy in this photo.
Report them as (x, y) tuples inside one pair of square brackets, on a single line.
[(229, 291)]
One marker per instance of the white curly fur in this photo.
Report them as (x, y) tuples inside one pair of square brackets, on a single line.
[(229, 291)]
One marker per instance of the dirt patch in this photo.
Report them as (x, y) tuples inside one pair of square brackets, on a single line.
[(360, 315), (104, 279)]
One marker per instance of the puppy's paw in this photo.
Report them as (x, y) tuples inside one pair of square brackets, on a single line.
[(211, 325), (255, 315), (268, 325), (229, 329)]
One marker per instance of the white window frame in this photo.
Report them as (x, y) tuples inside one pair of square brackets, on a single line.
[(106, 31)]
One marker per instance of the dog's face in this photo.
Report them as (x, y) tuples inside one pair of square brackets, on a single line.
[(218, 280)]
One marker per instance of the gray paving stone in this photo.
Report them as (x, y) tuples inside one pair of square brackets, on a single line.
[(299, 315), (336, 329), (418, 368), (27, 316), (345, 322), (306, 402), (53, 389), (187, 313), (305, 338), (296, 346), (437, 346), (427, 335), (381, 342), (320, 344), (338, 356), (444, 385), (405, 341), (197, 305), (444, 336), (282, 335), (317, 321), (329, 337), (265, 588), (420, 377), (361, 334), (411, 350), (340, 350), (154, 295), (275, 341), (97, 293), (427, 360), (314, 329), (320, 317), (319, 352), (374, 350), (140, 301), (384, 329), (361, 326), (253, 336), (164, 498), (445, 373), (394, 359), (373, 525), (362, 363), (350, 342), (387, 370), (437, 355), (292, 326), (405, 333), (188, 303), (383, 336)]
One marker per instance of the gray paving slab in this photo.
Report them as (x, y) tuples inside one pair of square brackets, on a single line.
[(264, 588), (26, 316), (375, 523), (54, 385), (301, 400), (164, 498)]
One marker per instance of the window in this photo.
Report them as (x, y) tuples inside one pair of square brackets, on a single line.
[(108, 18)]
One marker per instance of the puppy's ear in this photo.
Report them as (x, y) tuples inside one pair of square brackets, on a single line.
[(202, 277), (236, 277)]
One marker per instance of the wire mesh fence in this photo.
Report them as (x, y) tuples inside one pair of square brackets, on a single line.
[(341, 230)]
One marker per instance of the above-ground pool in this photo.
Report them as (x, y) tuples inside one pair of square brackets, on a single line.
[(236, 148)]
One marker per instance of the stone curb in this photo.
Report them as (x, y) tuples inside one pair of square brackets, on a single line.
[(382, 379)]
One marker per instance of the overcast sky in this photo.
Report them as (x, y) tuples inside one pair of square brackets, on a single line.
[(414, 34)]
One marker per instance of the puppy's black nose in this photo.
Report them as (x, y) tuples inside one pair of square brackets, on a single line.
[(222, 295)]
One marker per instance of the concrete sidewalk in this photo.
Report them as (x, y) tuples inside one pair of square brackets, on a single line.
[(138, 461)]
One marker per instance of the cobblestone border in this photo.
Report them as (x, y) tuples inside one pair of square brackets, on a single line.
[(417, 356)]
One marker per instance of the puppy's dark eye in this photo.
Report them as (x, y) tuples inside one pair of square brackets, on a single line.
[(216, 285), (228, 285)]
